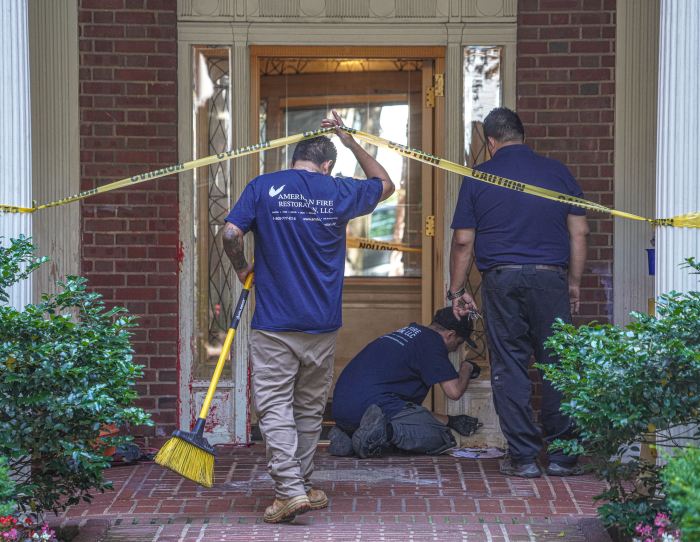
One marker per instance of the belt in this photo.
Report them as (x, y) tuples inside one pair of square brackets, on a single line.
[(538, 266)]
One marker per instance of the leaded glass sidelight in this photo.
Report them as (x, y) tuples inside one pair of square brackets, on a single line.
[(482, 92), (213, 200)]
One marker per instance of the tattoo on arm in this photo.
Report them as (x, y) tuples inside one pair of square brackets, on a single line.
[(233, 245)]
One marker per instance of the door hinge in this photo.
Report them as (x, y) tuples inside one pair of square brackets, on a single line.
[(439, 84), (430, 226), (438, 89)]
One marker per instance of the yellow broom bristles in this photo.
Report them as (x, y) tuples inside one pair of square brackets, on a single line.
[(187, 460)]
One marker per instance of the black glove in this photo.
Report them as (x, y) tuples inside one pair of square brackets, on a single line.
[(463, 424), (476, 370)]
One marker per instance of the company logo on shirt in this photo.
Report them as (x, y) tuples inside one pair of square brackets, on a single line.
[(403, 335), (275, 191)]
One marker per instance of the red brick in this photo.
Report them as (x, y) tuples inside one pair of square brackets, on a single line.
[(135, 17), (590, 75), (560, 32), (562, 61), (590, 46), (559, 5), (573, 106), (102, 31), (87, 5), (133, 46)]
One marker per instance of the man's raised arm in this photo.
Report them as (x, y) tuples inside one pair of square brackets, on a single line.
[(367, 162)]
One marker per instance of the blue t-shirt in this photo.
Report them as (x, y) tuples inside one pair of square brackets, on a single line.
[(391, 371), (298, 218), (513, 227)]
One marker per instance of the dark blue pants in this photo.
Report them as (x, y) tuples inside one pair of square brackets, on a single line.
[(520, 306)]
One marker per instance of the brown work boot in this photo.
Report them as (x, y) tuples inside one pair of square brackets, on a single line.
[(286, 509), (317, 498)]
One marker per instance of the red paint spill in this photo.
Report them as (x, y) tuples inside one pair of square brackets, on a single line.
[(248, 440), (178, 402), (180, 256)]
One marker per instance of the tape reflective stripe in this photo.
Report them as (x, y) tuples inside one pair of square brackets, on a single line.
[(689, 220)]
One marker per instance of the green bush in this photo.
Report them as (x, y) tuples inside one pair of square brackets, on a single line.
[(620, 385), (682, 485), (7, 490), (66, 370)]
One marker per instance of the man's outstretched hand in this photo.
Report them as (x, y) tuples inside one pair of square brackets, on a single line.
[(463, 424)]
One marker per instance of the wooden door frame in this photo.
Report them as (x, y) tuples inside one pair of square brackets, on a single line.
[(433, 253), (434, 53)]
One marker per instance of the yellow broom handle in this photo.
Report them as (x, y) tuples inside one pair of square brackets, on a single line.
[(226, 348)]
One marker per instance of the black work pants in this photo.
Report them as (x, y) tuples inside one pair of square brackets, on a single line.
[(414, 430), (417, 431), (520, 305)]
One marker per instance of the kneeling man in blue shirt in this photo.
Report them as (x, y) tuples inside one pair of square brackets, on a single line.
[(377, 400)]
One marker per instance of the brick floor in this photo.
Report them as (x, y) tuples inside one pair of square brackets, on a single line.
[(399, 498)]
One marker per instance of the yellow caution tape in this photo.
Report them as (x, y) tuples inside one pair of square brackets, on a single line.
[(373, 244), (689, 220), (170, 170)]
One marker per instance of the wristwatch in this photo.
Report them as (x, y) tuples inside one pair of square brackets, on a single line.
[(452, 296)]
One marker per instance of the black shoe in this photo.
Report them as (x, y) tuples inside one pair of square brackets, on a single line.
[(523, 469), (557, 469), (370, 439), (341, 443)]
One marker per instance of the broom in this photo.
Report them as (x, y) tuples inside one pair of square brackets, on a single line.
[(188, 453)]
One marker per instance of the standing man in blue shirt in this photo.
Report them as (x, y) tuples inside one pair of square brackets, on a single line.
[(531, 254), (298, 217)]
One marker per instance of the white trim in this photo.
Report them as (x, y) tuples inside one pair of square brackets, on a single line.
[(187, 308), (636, 69), (15, 132), (677, 158), (53, 48)]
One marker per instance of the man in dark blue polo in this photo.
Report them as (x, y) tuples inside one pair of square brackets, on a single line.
[(377, 399), (531, 253), (298, 217)]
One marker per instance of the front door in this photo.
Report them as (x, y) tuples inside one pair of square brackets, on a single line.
[(384, 92)]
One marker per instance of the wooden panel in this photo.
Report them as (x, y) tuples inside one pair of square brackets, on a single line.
[(372, 308)]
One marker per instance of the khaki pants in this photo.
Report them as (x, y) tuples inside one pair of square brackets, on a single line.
[(291, 376)]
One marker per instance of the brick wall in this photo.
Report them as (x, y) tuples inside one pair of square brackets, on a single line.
[(128, 125), (565, 97)]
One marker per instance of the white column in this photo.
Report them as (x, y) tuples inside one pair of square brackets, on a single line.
[(15, 130), (678, 160), (636, 81), (53, 57)]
